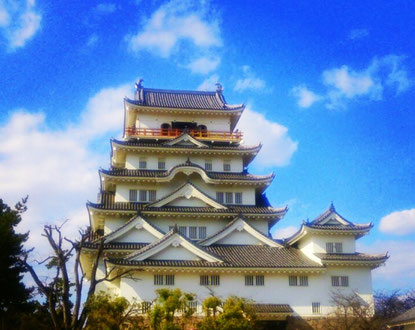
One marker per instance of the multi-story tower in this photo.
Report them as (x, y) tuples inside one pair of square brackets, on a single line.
[(179, 208)]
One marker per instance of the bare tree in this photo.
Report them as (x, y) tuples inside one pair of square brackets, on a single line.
[(65, 312)]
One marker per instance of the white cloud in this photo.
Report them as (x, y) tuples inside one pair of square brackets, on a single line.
[(399, 222), (57, 168), (278, 147), (92, 40), (305, 97), (174, 24), (284, 232), (105, 8), (204, 65), (399, 270), (209, 83), (19, 22), (358, 34), (383, 75), (249, 81)]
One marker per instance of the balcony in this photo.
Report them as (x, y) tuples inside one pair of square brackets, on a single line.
[(160, 133)]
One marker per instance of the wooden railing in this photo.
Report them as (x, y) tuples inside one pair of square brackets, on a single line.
[(159, 133)]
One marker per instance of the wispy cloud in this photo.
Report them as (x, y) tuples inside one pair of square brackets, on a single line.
[(92, 40), (209, 83), (19, 22), (248, 81), (284, 232), (204, 65), (399, 222), (344, 84), (105, 8), (358, 34)]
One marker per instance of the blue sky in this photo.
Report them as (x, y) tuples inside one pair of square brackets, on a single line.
[(329, 89)]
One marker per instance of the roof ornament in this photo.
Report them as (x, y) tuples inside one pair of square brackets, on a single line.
[(332, 208), (139, 90), (219, 87), (139, 83), (188, 162)]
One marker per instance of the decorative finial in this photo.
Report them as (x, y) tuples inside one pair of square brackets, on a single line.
[(219, 87), (175, 229), (188, 162), (332, 208), (139, 83)]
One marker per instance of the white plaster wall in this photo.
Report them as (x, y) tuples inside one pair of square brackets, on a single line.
[(174, 253), (276, 289), (239, 238), (136, 235), (317, 243)]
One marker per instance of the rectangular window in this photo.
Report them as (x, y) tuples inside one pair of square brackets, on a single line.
[(259, 280), (338, 247), (229, 198), (292, 280), (193, 232), (133, 195), (215, 280), (161, 164), (335, 281), (142, 164), (202, 232), (238, 198), (344, 280), (169, 279), (208, 165), (183, 230), (303, 280), (151, 195), (204, 280), (219, 197), (329, 247), (226, 166), (315, 308), (145, 306), (143, 195), (158, 279), (249, 280)]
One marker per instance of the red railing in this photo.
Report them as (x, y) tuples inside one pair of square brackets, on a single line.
[(159, 133)]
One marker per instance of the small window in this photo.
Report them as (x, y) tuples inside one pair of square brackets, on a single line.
[(133, 195), (344, 280), (259, 280), (329, 247), (193, 232), (303, 280), (145, 306), (202, 232), (338, 247), (315, 308), (229, 198), (238, 198), (162, 164), (249, 280), (226, 166), (335, 281), (204, 279), (152, 195), (219, 197), (292, 280), (208, 165), (158, 279), (143, 195), (183, 230), (215, 280), (169, 279), (142, 164)]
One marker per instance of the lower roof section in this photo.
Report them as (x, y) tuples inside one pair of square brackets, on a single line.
[(271, 308)]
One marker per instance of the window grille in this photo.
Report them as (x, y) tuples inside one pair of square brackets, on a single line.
[(152, 195), (202, 232), (133, 195), (192, 304), (335, 281), (329, 247), (259, 280), (143, 195), (229, 198), (226, 166), (292, 280), (145, 306), (169, 279), (344, 280), (338, 247), (142, 164), (215, 280), (183, 230), (303, 280), (204, 280), (315, 307), (238, 198), (249, 280), (219, 197), (193, 232), (161, 164), (158, 279), (208, 166)]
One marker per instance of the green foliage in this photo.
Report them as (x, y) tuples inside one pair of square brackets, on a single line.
[(210, 305), (14, 295)]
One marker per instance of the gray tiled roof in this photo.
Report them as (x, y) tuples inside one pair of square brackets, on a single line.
[(162, 98), (116, 246), (271, 308), (340, 227), (407, 317), (350, 256)]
